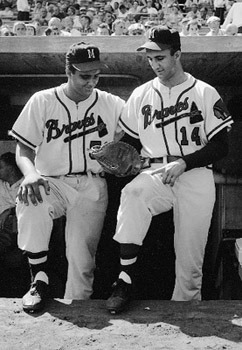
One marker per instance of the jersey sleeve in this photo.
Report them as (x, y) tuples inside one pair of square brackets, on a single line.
[(129, 120), (29, 126), (217, 116)]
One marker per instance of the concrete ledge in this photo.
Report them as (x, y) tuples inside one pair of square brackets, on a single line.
[(68, 325)]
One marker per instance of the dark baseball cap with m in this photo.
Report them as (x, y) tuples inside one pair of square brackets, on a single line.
[(84, 57), (162, 38)]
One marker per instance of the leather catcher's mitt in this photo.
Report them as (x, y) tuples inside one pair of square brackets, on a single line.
[(117, 158)]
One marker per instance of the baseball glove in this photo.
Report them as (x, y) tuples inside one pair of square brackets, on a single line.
[(117, 158)]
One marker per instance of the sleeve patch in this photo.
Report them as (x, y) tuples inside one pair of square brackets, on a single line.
[(220, 110)]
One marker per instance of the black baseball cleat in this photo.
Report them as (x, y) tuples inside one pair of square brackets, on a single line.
[(120, 297), (35, 299)]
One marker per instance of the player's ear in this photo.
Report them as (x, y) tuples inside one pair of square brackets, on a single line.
[(177, 54)]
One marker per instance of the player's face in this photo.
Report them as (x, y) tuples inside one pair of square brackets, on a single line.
[(83, 83), (163, 64)]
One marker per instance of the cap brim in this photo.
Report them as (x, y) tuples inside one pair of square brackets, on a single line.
[(151, 45), (87, 66)]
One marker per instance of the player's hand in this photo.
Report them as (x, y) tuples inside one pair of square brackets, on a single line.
[(30, 188), (171, 171)]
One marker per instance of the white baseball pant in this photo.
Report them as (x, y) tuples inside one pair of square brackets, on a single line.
[(83, 199), (192, 199)]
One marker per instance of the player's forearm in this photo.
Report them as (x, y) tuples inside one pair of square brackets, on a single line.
[(25, 159), (215, 150)]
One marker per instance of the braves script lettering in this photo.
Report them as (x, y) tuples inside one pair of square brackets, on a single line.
[(55, 131), (166, 112)]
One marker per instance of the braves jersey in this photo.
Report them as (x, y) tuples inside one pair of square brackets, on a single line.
[(62, 132), (174, 121)]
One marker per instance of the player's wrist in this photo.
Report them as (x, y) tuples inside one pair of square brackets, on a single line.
[(183, 163)]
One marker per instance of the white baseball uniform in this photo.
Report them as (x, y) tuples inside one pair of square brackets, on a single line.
[(62, 132), (176, 122)]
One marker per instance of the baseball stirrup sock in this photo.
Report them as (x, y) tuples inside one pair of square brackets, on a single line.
[(128, 258), (38, 266)]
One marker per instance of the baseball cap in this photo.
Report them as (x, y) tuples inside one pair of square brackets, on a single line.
[(160, 38), (84, 57)]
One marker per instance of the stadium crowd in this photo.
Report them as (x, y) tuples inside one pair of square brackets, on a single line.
[(118, 17)]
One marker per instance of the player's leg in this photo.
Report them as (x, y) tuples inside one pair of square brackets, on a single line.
[(83, 230), (141, 199), (195, 196), (34, 230)]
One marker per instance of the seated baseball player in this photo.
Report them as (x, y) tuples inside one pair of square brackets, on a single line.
[(181, 124), (54, 133), (10, 179)]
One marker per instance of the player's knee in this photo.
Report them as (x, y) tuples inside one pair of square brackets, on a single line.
[(133, 190)]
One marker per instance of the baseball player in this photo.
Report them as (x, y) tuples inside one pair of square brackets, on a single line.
[(55, 132), (181, 124)]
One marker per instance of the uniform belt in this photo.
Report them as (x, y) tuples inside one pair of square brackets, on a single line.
[(85, 173), (166, 159), (163, 160)]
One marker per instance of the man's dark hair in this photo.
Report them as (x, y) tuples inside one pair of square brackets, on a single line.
[(9, 159)]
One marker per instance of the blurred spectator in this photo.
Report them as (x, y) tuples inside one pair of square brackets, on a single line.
[(91, 12), (23, 10), (157, 4), (39, 27), (37, 8), (50, 11), (19, 28), (83, 24), (129, 19), (136, 29), (193, 27), (214, 26), (118, 27), (100, 16), (10, 180), (71, 12), (6, 31), (161, 19), (30, 29), (184, 29), (231, 30), (204, 15), (149, 8), (149, 24), (108, 8), (122, 11), (57, 13), (188, 4), (42, 17), (52, 31), (194, 13), (115, 7), (109, 18), (82, 10), (219, 9), (135, 8), (54, 23), (7, 13), (167, 6), (234, 16), (174, 19), (68, 26), (103, 29)]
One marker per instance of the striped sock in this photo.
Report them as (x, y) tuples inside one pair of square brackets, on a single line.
[(128, 258), (38, 266)]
